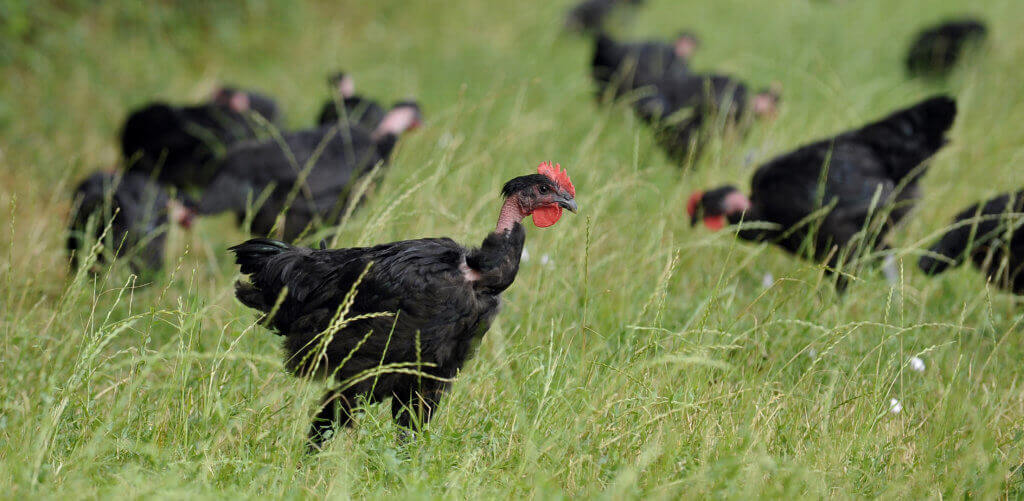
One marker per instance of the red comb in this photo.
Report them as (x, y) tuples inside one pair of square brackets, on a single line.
[(559, 176), (691, 204)]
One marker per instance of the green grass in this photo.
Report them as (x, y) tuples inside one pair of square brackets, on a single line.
[(646, 360)]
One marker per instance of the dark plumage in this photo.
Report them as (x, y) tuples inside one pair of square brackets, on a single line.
[(619, 68), (354, 109), (990, 235), (180, 143), (683, 107), (307, 193), (135, 208), (359, 110), (937, 48), (590, 15), (882, 159), (418, 305), (242, 100)]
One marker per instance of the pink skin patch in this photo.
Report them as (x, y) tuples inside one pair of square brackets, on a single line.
[(685, 47), (765, 105), (180, 214), (736, 202), (239, 102), (397, 121), (468, 273), (347, 86)]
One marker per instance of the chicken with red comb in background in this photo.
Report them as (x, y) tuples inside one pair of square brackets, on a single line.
[(418, 305), (816, 200)]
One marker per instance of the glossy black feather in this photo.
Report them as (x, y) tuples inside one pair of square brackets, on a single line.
[(988, 233), (135, 208)]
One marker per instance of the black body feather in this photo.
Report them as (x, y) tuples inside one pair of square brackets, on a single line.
[(180, 143), (682, 109), (937, 49), (427, 312), (590, 15), (990, 235), (844, 174), (619, 68), (134, 206), (355, 110), (310, 179)]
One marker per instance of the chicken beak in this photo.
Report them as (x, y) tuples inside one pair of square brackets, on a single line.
[(568, 203)]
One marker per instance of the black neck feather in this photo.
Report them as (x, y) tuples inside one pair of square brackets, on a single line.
[(497, 259)]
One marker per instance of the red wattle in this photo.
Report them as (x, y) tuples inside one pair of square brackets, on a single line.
[(546, 216), (715, 223)]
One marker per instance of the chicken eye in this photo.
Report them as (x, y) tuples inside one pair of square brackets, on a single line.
[(542, 189)]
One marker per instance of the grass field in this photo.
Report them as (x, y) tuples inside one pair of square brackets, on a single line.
[(642, 358)]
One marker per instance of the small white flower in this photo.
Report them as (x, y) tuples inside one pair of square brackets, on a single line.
[(767, 280), (895, 406), (917, 364), (891, 270), (812, 353), (545, 260), (526, 255)]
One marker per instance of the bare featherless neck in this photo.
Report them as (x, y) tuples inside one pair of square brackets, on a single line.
[(511, 213)]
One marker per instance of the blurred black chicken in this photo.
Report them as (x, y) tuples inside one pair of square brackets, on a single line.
[(589, 16), (136, 210), (685, 110), (937, 49), (990, 235), (179, 144), (415, 305), (309, 180), (619, 68), (348, 107), (832, 199)]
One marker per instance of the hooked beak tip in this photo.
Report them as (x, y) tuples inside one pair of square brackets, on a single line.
[(569, 204)]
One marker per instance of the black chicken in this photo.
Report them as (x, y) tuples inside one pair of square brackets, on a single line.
[(589, 15), (989, 234), (180, 143), (309, 179), (135, 208), (620, 67), (936, 49), (683, 109), (818, 199), (367, 317), (354, 109)]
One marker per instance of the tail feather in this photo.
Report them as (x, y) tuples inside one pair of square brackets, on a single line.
[(252, 255), (910, 136)]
